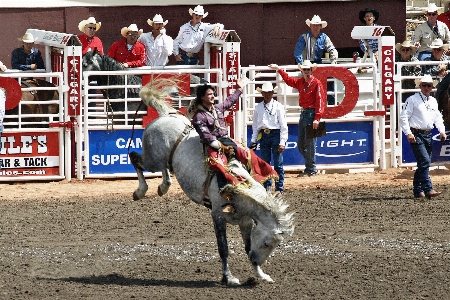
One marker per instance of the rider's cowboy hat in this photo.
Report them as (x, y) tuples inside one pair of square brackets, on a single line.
[(266, 87), (157, 19), (425, 79), (363, 13), (405, 44), (432, 8), (437, 43), (133, 28), (90, 20), (307, 65), (316, 20), (198, 10), (27, 38)]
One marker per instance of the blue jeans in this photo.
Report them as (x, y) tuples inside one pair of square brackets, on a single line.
[(268, 147), (422, 152), (307, 147), (188, 60)]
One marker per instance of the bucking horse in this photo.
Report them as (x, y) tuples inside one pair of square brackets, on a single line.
[(171, 143)]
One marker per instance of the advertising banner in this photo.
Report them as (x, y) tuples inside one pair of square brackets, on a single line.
[(350, 142), (440, 153), (29, 154)]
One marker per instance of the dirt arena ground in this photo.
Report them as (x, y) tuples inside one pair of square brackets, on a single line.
[(357, 236)]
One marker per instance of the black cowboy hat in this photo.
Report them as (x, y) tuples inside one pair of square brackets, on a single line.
[(362, 14)]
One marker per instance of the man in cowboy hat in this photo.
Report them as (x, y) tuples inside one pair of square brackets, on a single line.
[(438, 48), (89, 40), (312, 44), (419, 115), (27, 57), (270, 128), (445, 17), (312, 98), (191, 37), (158, 45), (405, 54), (428, 31), (368, 17), (128, 51)]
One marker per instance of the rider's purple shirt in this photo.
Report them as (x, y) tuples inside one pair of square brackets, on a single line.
[(204, 122)]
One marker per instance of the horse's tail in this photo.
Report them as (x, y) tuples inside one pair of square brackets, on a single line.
[(153, 95)]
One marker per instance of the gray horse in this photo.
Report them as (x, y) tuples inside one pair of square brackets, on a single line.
[(169, 142)]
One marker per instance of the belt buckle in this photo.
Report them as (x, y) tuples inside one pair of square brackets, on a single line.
[(266, 130), (189, 54)]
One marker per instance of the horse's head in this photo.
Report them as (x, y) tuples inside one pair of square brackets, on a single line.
[(263, 242), (92, 61)]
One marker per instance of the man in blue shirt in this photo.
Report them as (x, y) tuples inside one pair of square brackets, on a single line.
[(27, 57)]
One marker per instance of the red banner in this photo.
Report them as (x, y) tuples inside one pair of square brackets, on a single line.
[(387, 75)]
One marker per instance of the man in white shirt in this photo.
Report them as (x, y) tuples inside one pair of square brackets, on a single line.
[(270, 128), (192, 36), (158, 45), (419, 115)]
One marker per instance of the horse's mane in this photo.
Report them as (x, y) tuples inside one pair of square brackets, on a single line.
[(271, 202), (154, 94)]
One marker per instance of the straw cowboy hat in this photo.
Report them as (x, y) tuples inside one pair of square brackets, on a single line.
[(316, 20), (157, 19), (133, 28), (27, 38), (363, 13), (432, 8), (198, 10), (405, 44), (90, 20), (266, 87), (425, 79), (437, 43), (307, 65)]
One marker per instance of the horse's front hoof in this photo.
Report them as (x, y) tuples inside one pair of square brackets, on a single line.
[(231, 281), (160, 193), (137, 195)]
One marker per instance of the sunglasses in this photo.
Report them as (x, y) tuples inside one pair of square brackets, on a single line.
[(406, 49), (92, 28), (428, 85), (438, 49), (306, 69), (432, 14), (132, 34)]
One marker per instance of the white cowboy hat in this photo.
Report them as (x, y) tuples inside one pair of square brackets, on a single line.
[(307, 65), (266, 87), (405, 44), (432, 8), (157, 19), (437, 43), (133, 28), (425, 79), (90, 20), (27, 38), (316, 20), (198, 10)]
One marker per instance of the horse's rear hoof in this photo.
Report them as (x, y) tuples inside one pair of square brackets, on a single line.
[(160, 193), (135, 196)]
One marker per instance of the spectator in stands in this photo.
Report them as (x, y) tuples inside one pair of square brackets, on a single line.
[(428, 31), (405, 51), (192, 36), (88, 40), (445, 17), (312, 44), (27, 57), (311, 97), (419, 115), (158, 45), (437, 54), (128, 51), (370, 46), (271, 129)]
